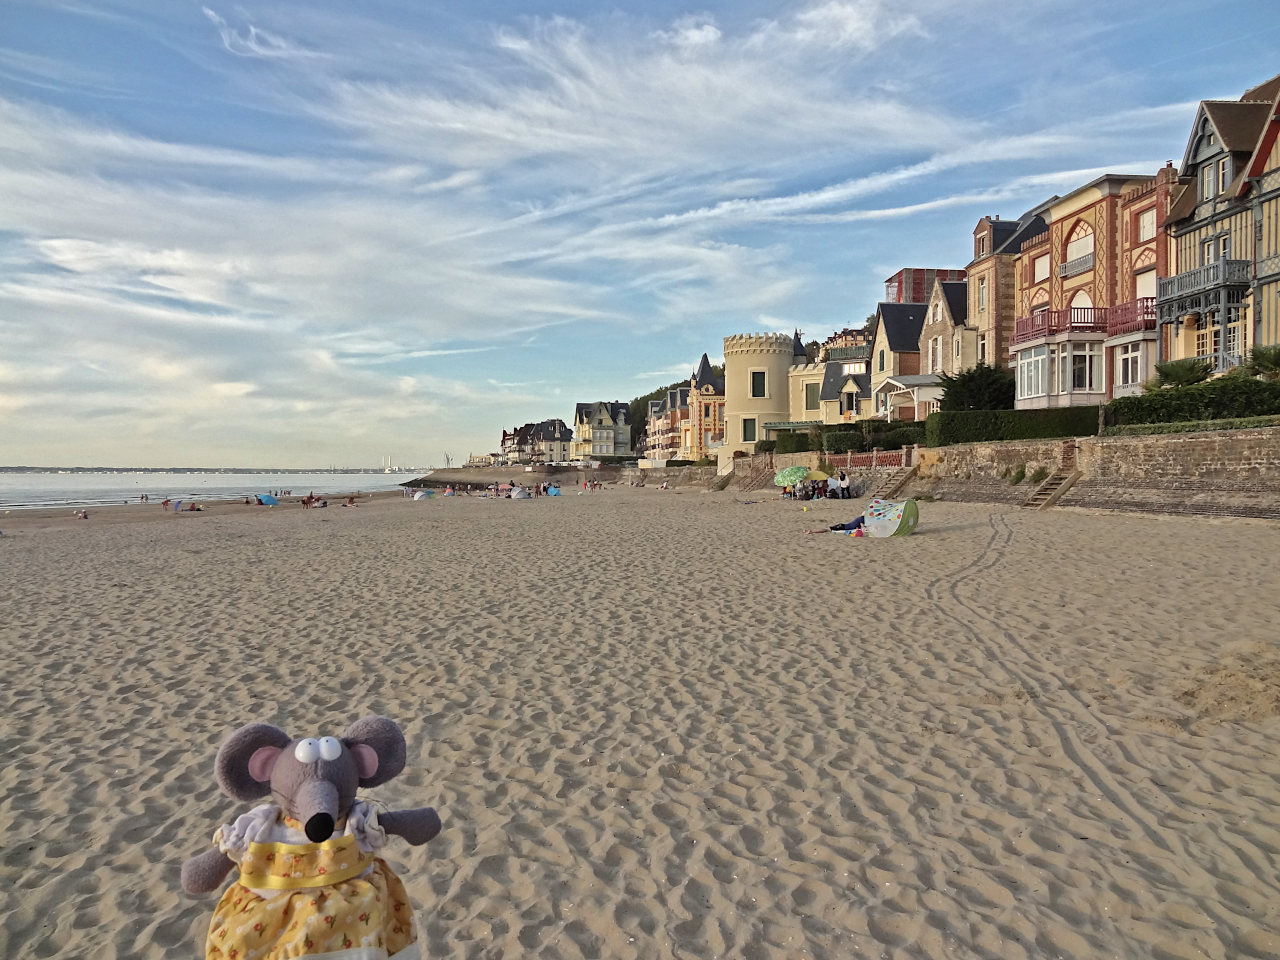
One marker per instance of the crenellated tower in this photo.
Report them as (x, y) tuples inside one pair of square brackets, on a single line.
[(755, 388)]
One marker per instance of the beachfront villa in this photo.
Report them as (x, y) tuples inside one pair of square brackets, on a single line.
[(688, 423), (895, 355), (1224, 228), (991, 308), (601, 429), (1068, 278)]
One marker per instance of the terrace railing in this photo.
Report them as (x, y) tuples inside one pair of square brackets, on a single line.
[(1132, 317), (1217, 274), (1078, 265), (1067, 320)]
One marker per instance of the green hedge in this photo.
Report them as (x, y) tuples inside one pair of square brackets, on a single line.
[(679, 463), (766, 446), (862, 436), (972, 426), (1225, 398), (1190, 426), (792, 443)]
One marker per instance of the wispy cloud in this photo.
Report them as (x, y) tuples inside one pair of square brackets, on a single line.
[(254, 41)]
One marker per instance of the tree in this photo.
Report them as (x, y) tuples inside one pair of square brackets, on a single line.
[(979, 388), (811, 350), (1264, 362), (1179, 373)]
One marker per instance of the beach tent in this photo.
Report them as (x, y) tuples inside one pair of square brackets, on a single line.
[(268, 499), (891, 518), (553, 491), (422, 495), (520, 493)]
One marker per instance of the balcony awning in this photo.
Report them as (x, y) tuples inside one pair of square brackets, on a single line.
[(793, 425)]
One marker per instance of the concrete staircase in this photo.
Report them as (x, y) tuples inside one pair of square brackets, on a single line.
[(892, 484), (1057, 483), (759, 478)]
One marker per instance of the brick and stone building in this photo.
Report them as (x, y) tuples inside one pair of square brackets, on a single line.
[(992, 307)]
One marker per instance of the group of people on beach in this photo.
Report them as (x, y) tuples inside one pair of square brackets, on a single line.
[(838, 487)]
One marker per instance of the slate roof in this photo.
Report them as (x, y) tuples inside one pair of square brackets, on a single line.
[(833, 381), (552, 430), (619, 412), (705, 375), (902, 324), (1030, 224), (797, 348), (956, 294)]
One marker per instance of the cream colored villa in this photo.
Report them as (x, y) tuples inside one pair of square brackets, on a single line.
[(601, 429)]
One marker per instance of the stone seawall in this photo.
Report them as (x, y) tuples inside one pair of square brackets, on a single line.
[(1226, 472)]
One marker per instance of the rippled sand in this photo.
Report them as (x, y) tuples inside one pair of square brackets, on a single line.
[(668, 724)]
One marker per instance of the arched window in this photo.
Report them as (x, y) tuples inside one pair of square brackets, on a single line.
[(1081, 299), (1079, 241)]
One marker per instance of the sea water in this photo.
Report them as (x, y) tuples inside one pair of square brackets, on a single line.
[(27, 490)]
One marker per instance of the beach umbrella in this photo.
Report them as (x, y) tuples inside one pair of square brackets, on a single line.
[(817, 475), (789, 476), (268, 499)]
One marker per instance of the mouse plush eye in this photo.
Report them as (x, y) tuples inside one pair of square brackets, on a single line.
[(307, 751), (330, 748)]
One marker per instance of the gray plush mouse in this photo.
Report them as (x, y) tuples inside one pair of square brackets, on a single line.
[(310, 882)]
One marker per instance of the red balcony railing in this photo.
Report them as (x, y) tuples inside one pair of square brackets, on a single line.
[(1067, 320), (1132, 317)]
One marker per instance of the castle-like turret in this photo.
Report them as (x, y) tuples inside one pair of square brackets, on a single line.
[(755, 388)]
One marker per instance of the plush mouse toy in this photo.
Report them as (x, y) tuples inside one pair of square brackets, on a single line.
[(310, 881)]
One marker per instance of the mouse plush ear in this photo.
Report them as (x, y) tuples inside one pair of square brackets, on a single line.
[(246, 758), (378, 746)]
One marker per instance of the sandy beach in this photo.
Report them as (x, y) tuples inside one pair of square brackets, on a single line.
[(666, 724)]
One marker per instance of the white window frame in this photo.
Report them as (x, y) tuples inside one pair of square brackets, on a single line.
[(982, 293), (1129, 364), (1224, 173), (1080, 247), (1147, 225), (982, 348), (1033, 373), (1208, 189), (956, 341)]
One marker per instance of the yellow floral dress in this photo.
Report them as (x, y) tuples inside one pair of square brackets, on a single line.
[(295, 898)]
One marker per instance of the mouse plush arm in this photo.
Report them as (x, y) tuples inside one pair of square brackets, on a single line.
[(205, 872), (416, 826)]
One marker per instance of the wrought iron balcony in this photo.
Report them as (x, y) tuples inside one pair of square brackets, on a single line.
[(1218, 274), (1078, 265), (1132, 317), (1068, 320)]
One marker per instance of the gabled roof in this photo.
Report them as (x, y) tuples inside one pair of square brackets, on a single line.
[(619, 413), (1267, 90), (834, 382), (902, 323), (1184, 204), (955, 293), (1237, 122)]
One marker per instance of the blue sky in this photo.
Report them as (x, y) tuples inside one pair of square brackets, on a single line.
[(311, 233)]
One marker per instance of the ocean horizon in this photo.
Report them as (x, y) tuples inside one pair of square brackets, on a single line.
[(82, 487)]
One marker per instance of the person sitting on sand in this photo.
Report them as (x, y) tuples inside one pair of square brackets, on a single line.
[(351, 502), (855, 524)]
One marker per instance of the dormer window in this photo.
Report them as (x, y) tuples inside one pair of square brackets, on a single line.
[(1224, 173), (982, 245), (1208, 181)]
